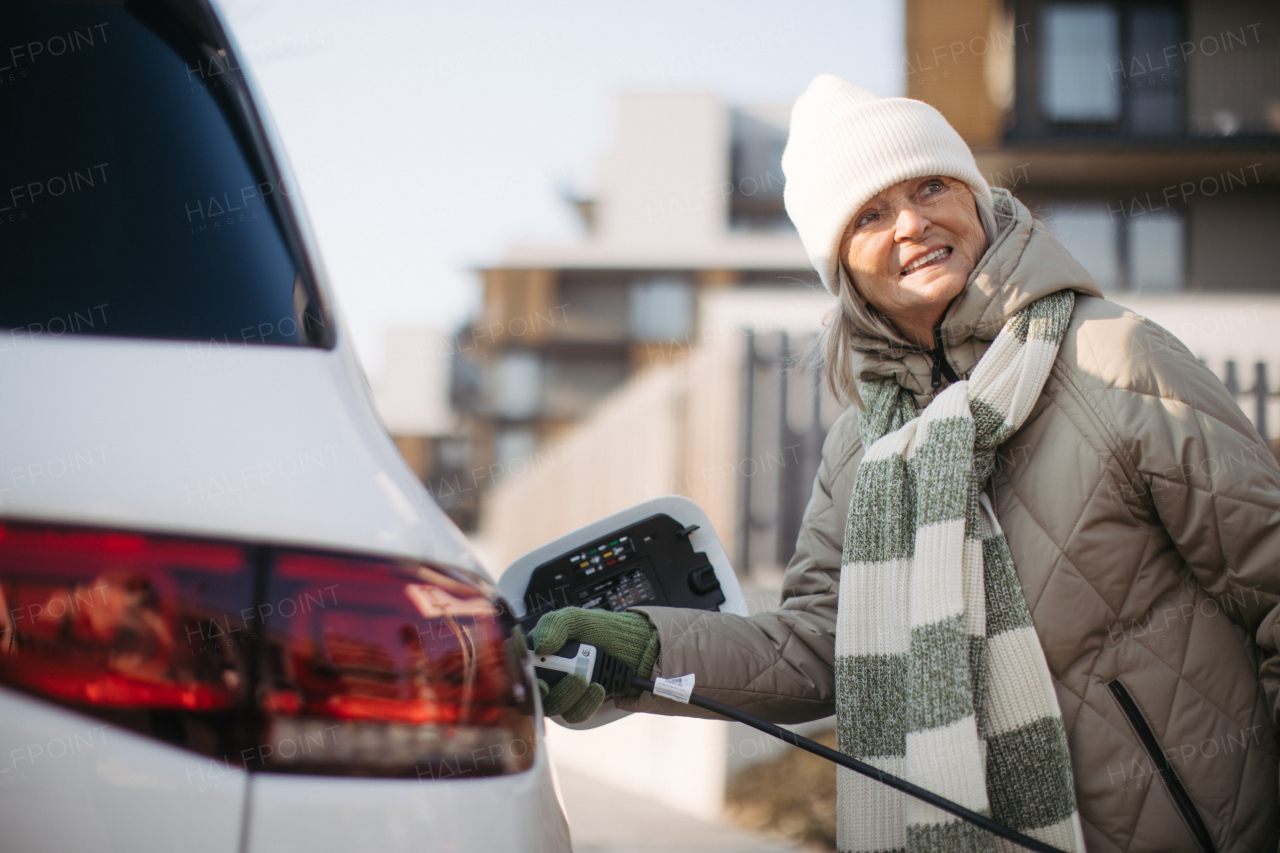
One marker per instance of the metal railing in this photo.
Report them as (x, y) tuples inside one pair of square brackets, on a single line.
[(1256, 401), (783, 421)]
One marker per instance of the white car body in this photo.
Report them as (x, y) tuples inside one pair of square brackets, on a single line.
[(251, 443), (268, 444)]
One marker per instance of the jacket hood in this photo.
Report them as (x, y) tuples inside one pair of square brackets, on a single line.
[(1022, 264)]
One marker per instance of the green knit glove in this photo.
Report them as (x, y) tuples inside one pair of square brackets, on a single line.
[(630, 637), (571, 698)]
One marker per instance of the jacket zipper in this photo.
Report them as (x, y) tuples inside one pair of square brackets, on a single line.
[(1181, 799), (941, 367)]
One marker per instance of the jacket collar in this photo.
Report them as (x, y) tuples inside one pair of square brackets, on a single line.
[(1022, 264)]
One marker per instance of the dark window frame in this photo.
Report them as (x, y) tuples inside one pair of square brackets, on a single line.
[(261, 154), (1030, 121), (1125, 205)]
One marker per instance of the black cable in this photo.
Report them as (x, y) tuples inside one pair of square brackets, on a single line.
[(992, 826)]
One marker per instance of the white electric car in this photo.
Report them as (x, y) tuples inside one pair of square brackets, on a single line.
[(231, 621)]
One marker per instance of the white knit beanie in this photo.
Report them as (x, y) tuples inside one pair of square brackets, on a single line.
[(846, 145)]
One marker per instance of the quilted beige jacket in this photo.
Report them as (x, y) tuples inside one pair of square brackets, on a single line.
[(1143, 513)]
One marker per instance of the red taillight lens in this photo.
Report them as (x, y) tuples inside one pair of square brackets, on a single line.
[(408, 671), (127, 627), (275, 660)]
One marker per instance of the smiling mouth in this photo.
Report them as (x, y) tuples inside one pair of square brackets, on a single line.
[(934, 257)]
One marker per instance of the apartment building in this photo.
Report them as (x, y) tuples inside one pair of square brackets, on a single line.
[(1147, 134), (688, 201)]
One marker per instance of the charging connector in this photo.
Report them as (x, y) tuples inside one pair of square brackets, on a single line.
[(574, 658)]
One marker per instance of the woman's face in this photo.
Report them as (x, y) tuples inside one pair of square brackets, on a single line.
[(910, 249)]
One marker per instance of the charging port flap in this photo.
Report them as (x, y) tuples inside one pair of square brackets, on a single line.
[(662, 552)]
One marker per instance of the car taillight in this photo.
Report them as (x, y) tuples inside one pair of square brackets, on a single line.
[(403, 670), (104, 622), (265, 658)]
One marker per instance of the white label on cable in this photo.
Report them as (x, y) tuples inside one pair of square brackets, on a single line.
[(679, 689)]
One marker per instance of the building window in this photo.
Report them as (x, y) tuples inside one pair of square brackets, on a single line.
[(514, 452), (517, 385), (453, 453), (1081, 45), (1153, 82), (755, 202), (1156, 250), (1145, 253), (594, 306), (1117, 67), (572, 386), (1087, 231), (660, 308), (780, 278)]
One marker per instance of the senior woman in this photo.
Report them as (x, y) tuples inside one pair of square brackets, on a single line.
[(1040, 567)]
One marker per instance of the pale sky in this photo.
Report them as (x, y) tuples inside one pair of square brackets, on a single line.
[(428, 136)]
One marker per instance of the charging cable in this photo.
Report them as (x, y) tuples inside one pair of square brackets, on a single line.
[(599, 667)]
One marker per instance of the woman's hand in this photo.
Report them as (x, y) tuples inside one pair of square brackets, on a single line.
[(630, 637), (572, 698)]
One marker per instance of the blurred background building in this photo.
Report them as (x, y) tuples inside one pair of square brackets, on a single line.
[(665, 351), (412, 395), (1146, 135), (685, 243)]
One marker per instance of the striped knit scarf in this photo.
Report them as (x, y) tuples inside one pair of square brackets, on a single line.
[(940, 677)]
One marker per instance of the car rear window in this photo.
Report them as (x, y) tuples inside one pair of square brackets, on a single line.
[(131, 203)]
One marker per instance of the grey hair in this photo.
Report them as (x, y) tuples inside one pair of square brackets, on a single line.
[(855, 318)]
